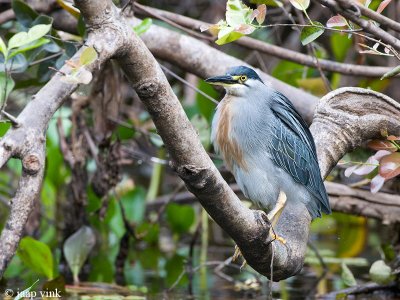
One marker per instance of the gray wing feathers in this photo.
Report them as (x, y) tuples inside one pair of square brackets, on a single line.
[(293, 150)]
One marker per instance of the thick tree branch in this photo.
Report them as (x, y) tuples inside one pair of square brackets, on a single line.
[(348, 117), (27, 141), (195, 168), (249, 230)]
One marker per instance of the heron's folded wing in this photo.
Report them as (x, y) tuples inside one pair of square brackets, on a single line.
[(293, 150)]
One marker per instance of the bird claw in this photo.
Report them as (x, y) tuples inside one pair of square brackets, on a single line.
[(238, 254), (276, 237), (263, 220)]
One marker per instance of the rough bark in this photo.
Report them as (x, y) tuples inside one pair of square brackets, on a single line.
[(346, 118), (27, 140)]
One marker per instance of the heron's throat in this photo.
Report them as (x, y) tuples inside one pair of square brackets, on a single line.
[(227, 144)]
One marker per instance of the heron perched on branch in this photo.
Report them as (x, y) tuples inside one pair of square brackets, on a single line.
[(267, 146)]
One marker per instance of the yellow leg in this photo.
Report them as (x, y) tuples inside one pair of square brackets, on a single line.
[(275, 213), (238, 254)]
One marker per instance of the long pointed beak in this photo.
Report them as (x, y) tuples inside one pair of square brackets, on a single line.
[(221, 80)]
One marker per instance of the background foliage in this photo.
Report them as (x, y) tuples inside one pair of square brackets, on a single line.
[(112, 214)]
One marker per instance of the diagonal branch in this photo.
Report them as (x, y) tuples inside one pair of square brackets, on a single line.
[(194, 166), (27, 141)]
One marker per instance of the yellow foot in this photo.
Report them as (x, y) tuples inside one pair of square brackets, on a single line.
[(238, 254), (276, 237), (274, 214)]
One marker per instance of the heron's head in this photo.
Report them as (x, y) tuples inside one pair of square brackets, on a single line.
[(238, 81)]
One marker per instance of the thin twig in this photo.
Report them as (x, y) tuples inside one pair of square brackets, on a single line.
[(272, 272), (92, 145), (46, 58), (13, 120), (168, 21), (283, 53), (346, 9), (65, 150), (172, 73), (381, 19)]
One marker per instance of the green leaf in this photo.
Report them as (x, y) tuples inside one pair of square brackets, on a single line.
[(174, 267), (180, 217), (273, 3), (81, 27), (388, 251), (38, 31), (204, 105), (340, 45), (23, 12), (310, 34), (25, 292), (37, 256), (381, 273), (3, 48), (391, 73), (6, 86), (77, 248), (17, 64), (42, 19), (227, 35), (300, 4), (102, 269), (114, 219), (30, 46), (88, 56), (149, 258), (315, 86), (134, 205), (18, 40), (23, 38), (150, 232), (143, 26), (347, 276), (289, 72), (4, 128), (237, 13)]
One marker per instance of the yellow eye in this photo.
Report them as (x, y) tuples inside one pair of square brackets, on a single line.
[(243, 78)]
